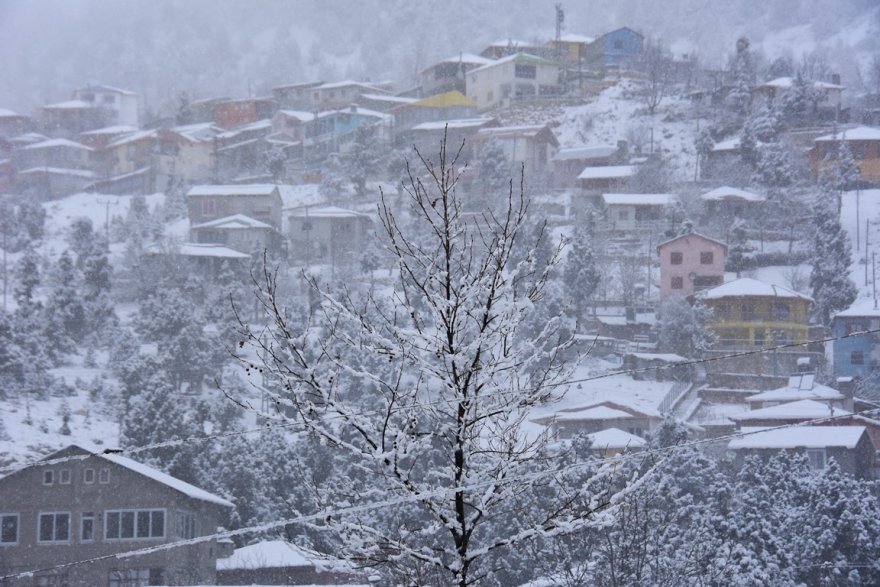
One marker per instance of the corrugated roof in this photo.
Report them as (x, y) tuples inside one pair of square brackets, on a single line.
[(445, 100), (801, 437)]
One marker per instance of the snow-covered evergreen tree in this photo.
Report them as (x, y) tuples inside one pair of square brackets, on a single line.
[(743, 70), (581, 276), (738, 247), (683, 328), (832, 288), (64, 316)]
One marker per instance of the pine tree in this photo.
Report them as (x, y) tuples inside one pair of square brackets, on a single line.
[(361, 158), (175, 199), (740, 95), (493, 179), (581, 275), (96, 288), (833, 290), (738, 247), (64, 314), (27, 279), (682, 328)]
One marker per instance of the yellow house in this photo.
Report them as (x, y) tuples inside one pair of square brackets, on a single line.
[(749, 313)]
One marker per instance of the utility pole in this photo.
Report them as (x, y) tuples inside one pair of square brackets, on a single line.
[(560, 23)]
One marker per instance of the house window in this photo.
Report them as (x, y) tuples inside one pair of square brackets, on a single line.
[(747, 312), (676, 258), (817, 458), (677, 283), (707, 258), (88, 476), (135, 578), (185, 524), (64, 476), (635, 430), (88, 97), (209, 207), (854, 326), (104, 476), (857, 358), (48, 477), (759, 337), (87, 526), (618, 44), (54, 527), (525, 71), (59, 580), (781, 311), (109, 98), (134, 524), (8, 529)]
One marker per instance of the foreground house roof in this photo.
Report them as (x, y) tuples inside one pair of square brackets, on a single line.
[(801, 437), (746, 286)]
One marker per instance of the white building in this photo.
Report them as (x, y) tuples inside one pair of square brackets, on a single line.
[(121, 106), (519, 76)]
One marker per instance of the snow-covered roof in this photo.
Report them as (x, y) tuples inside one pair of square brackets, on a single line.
[(792, 394), (4, 113), (805, 409), (252, 189), (691, 234), (639, 199), (600, 412), (58, 171), (516, 57), (58, 143), (297, 196), (390, 99), (327, 212), (729, 193), (615, 438), (200, 250), (861, 309), (459, 123), (232, 222), (527, 131), (465, 58), (262, 124), (571, 38), (264, 555), (106, 88), (801, 437), (29, 137), (347, 83), (728, 145), (132, 138), (584, 152), (607, 172), (68, 105), (195, 132), (166, 479), (859, 133), (110, 130), (665, 357), (746, 286)]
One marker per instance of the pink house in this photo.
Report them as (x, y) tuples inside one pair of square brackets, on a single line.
[(690, 263)]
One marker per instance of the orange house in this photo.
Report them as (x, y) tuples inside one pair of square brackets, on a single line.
[(863, 141)]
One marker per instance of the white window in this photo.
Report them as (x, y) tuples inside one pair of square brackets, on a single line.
[(87, 527), (89, 476), (54, 527), (64, 476), (817, 458), (185, 524), (134, 524), (104, 476), (48, 477), (8, 529)]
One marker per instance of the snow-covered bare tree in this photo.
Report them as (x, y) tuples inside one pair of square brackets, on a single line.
[(656, 64), (425, 386)]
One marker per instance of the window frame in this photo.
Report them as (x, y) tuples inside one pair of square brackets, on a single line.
[(104, 476), (811, 452), (676, 258), (55, 516), (17, 518), (83, 518), (185, 524), (857, 358), (48, 477), (136, 515), (65, 474), (676, 282), (707, 257), (86, 473)]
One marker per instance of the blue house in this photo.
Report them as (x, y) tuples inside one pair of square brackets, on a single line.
[(617, 49), (856, 356)]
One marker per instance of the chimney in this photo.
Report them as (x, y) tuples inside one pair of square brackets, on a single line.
[(846, 386), (835, 79)]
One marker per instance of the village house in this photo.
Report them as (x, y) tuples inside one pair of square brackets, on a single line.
[(849, 446), (52, 182), (258, 201), (452, 105), (126, 155), (238, 232), (185, 153), (606, 178), (723, 159), (327, 234), (239, 152), (529, 148), (748, 313), (295, 96), (507, 47), (13, 124), (618, 49), (690, 263), (599, 416), (448, 74), (802, 386), (725, 204), (611, 442), (207, 260), (70, 118), (521, 76), (118, 106), (826, 97), (571, 49), (336, 95), (237, 113), (863, 142), (101, 137), (77, 505), (637, 214), (856, 356), (61, 153), (427, 136), (569, 162)]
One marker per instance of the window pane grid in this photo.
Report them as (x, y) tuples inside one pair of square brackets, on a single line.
[(134, 524)]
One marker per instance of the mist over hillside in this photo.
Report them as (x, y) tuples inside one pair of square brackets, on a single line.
[(162, 48)]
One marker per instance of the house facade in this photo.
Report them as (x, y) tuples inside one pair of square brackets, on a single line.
[(856, 356), (452, 105), (450, 74), (521, 76), (211, 202), (530, 148), (237, 232), (748, 313), (569, 162), (637, 213), (690, 263), (724, 204), (118, 106), (81, 506), (618, 49), (599, 416), (327, 234), (863, 142)]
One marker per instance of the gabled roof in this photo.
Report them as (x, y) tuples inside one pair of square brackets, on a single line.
[(84, 173), (859, 133), (615, 438), (57, 143), (748, 287), (327, 212), (474, 123), (816, 392), (861, 309), (518, 58), (729, 193), (164, 478), (787, 82), (639, 199), (252, 189), (801, 437), (348, 83), (200, 250), (805, 409), (4, 113), (691, 234), (236, 221), (133, 138), (272, 554), (468, 58), (607, 172)]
